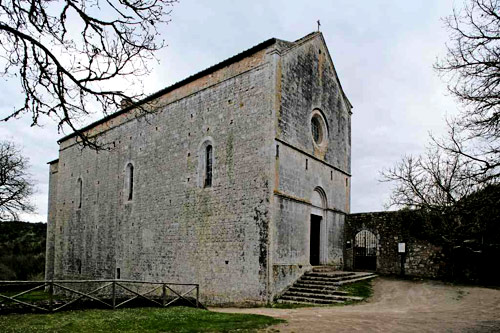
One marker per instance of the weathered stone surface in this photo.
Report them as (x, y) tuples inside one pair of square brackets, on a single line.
[(246, 237), (422, 258), (307, 82)]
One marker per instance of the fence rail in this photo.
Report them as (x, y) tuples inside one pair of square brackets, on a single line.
[(111, 294)]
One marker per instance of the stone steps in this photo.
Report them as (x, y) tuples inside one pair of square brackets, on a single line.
[(288, 301), (333, 279), (320, 285), (329, 290), (306, 300), (330, 274), (323, 296), (315, 285), (361, 278), (326, 269)]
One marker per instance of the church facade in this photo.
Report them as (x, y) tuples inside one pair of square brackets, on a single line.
[(239, 181)]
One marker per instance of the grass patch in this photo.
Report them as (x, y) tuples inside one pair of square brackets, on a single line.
[(175, 319), (32, 296), (361, 288)]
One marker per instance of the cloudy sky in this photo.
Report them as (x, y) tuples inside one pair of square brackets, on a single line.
[(383, 52)]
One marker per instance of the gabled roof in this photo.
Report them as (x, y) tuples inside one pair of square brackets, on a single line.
[(181, 83), (281, 45)]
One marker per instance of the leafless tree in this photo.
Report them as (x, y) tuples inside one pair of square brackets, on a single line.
[(472, 66), (481, 152), (454, 185), (435, 180), (16, 186), (467, 159), (450, 205), (70, 55)]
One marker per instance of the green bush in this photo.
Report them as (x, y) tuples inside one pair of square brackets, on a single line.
[(22, 250)]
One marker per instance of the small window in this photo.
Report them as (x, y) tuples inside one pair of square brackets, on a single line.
[(130, 182), (80, 192), (206, 163), (316, 130), (319, 131), (208, 166)]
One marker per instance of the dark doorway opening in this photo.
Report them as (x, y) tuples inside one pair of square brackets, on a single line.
[(315, 240)]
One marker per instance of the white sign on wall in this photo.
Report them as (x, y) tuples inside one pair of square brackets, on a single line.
[(401, 248)]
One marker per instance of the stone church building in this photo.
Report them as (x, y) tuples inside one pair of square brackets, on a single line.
[(239, 181)]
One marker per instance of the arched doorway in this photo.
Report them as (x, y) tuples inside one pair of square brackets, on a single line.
[(318, 203), (365, 251)]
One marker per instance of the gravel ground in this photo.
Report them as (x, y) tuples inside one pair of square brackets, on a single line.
[(397, 306)]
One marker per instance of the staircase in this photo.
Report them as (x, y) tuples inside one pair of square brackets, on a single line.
[(320, 286)]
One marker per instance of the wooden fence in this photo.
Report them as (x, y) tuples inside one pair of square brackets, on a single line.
[(111, 294)]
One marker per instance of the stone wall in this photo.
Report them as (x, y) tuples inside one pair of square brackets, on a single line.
[(51, 231), (422, 257), (307, 83), (245, 238), (174, 229)]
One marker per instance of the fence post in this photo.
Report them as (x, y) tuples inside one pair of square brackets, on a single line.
[(197, 294), (51, 296), (164, 295), (113, 296)]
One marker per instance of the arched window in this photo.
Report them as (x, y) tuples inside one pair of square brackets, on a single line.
[(130, 181), (80, 192), (208, 166), (206, 163)]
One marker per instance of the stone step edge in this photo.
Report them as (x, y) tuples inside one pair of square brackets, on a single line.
[(324, 290), (341, 283), (325, 286), (323, 296), (326, 267), (284, 301), (311, 300), (334, 276), (329, 274), (330, 279)]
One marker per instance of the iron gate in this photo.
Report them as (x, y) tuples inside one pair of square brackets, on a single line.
[(365, 251)]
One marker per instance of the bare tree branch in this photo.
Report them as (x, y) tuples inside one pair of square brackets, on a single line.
[(472, 64), (70, 56), (438, 179)]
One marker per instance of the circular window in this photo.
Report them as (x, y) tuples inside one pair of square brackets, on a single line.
[(317, 130)]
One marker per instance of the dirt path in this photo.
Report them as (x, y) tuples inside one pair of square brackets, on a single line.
[(398, 306)]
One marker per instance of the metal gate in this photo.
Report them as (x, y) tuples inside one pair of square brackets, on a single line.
[(365, 251)]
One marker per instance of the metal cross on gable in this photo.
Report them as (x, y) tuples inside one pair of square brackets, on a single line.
[(319, 24)]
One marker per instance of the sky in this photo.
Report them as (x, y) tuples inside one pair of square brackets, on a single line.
[(383, 52)]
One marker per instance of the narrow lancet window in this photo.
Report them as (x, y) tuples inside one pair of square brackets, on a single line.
[(80, 190), (208, 166), (130, 181)]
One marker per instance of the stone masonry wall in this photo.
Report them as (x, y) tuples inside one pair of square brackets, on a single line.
[(306, 81), (173, 229), (422, 258), (51, 232), (244, 239)]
